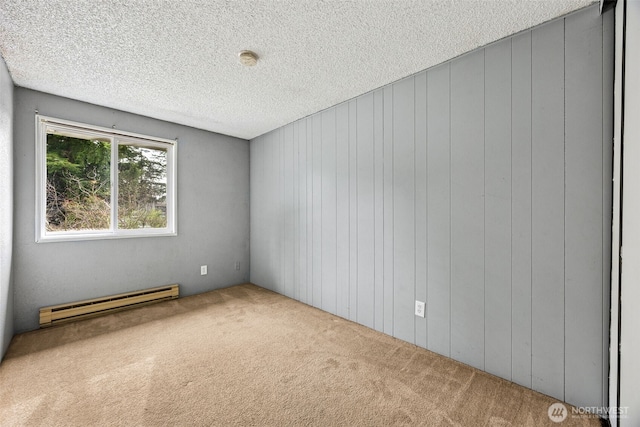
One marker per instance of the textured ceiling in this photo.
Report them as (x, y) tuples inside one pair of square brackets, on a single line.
[(177, 60)]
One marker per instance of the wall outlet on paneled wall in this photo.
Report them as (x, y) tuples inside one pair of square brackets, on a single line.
[(420, 308)]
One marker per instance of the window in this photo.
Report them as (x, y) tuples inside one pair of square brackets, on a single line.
[(97, 183)]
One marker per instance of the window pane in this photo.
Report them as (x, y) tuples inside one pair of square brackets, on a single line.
[(95, 183), (142, 187), (78, 183)]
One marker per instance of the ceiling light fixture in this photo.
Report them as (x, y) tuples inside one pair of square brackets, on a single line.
[(248, 58)]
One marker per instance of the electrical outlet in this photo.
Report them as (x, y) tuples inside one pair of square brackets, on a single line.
[(203, 270), (237, 265), (420, 308)]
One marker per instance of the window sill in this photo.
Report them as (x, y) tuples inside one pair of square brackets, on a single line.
[(100, 236)]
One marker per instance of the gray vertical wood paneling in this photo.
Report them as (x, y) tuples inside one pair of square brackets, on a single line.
[(404, 210), (521, 210), (279, 203), (482, 186), (268, 228), (256, 160), (353, 212), (263, 223), (420, 162), (274, 239), (301, 141), (316, 285), (256, 193), (296, 211), (274, 207), (329, 211), (497, 209), (259, 191), (274, 230), (583, 207), (310, 205), (547, 112), (467, 209), (365, 200), (388, 208), (378, 214), (284, 225), (438, 211), (289, 211), (342, 220), (608, 34)]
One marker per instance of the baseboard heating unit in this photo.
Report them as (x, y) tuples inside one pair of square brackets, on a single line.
[(62, 313)]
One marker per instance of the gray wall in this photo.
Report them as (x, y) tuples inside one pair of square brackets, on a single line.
[(213, 218), (481, 186), (6, 207), (629, 369)]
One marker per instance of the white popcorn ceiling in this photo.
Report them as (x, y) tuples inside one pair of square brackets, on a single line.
[(177, 60)]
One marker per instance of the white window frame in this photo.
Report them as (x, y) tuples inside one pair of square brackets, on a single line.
[(117, 137)]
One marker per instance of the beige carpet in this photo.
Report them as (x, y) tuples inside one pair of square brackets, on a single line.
[(249, 357)]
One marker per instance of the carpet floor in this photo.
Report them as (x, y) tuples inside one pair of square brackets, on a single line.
[(245, 356)]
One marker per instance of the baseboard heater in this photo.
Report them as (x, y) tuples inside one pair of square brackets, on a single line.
[(62, 313)]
